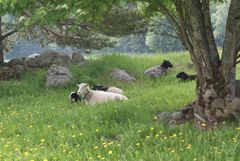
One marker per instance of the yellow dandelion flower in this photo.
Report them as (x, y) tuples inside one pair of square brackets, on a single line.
[(49, 126), (238, 128), (194, 159), (78, 145), (138, 144), (16, 149), (118, 144), (152, 128), (73, 136), (90, 158), (30, 126), (26, 153), (97, 130), (42, 140), (155, 117), (96, 147), (105, 146), (31, 160), (147, 137), (45, 160), (203, 124), (139, 131), (160, 132), (80, 134), (156, 135), (102, 158), (109, 152), (172, 151), (99, 156)]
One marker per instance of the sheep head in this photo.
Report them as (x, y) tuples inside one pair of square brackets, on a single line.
[(83, 89)]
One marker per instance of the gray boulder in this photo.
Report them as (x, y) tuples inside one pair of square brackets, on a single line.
[(31, 62), (8, 73), (77, 58), (52, 57), (33, 55), (121, 75), (58, 76), (15, 61), (156, 71)]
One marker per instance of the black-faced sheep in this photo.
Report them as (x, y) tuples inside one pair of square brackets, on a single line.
[(185, 77), (166, 64), (107, 89), (158, 71), (74, 97), (92, 97)]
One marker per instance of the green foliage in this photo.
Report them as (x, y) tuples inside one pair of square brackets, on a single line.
[(161, 37), (41, 124)]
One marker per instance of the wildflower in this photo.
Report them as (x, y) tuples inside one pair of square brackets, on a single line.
[(138, 144), (78, 145), (26, 153), (160, 132), (172, 151), (155, 117), (45, 160), (97, 130), (152, 129), (238, 128), (31, 160), (203, 124), (156, 135), (80, 134), (99, 156), (139, 131), (30, 126), (109, 152), (147, 137), (180, 133), (49, 126), (174, 135), (96, 147), (73, 136), (42, 140)]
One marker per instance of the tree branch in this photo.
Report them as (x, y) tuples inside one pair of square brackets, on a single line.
[(9, 33)]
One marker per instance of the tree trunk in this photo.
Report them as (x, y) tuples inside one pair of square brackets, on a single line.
[(215, 88)]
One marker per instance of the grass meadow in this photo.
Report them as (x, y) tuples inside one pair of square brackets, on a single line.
[(39, 124)]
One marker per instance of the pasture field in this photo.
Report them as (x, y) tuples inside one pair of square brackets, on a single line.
[(42, 125)]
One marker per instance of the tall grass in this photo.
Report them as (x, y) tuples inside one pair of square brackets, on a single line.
[(41, 124)]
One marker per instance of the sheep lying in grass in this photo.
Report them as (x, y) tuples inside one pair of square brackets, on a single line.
[(185, 77), (107, 89), (74, 97), (158, 71), (92, 97)]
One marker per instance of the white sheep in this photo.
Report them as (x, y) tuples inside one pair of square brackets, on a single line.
[(92, 97), (107, 89)]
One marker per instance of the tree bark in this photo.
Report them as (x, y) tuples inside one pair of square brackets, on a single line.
[(215, 87)]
